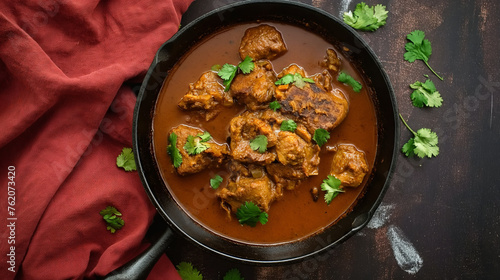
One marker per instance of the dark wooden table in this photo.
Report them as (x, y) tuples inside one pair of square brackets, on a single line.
[(440, 219)]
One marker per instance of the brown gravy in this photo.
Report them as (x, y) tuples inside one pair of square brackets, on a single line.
[(295, 215)]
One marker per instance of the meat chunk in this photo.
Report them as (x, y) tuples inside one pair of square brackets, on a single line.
[(247, 183), (255, 89), (243, 129), (262, 42), (213, 156), (331, 62), (349, 165), (313, 106), (206, 96)]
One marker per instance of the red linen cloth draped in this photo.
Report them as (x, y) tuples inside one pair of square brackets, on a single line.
[(65, 115)]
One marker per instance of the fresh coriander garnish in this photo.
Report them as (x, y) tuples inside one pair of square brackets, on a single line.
[(233, 274), (111, 216), (275, 105), (250, 214), (216, 67), (172, 150), (228, 71), (197, 144), (215, 181), (366, 18), (425, 94), (296, 78), (332, 187), (126, 160), (259, 143), (347, 79), (424, 143), (321, 136), (288, 125), (188, 272), (419, 48)]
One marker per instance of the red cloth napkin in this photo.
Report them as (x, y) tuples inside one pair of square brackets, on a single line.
[(65, 115)]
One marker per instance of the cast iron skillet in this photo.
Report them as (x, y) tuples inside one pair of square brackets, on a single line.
[(317, 21)]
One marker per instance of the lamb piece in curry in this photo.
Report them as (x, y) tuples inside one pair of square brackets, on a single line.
[(213, 156), (349, 165), (206, 96), (257, 88), (262, 42)]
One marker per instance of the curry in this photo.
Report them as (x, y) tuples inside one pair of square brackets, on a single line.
[(283, 178)]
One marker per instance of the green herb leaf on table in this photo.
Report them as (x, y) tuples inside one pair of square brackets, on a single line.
[(296, 79), (288, 125), (126, 160), (366, 18), (424, 143), (321, 136), (233, 274), (332, 187), (259, 143), (347, 79), (425, 94), (172, 150), (197, 144), (247, 65), (274, 105), (419, 48), (111, 216), (216, 181), (250, 214), (188, 272)]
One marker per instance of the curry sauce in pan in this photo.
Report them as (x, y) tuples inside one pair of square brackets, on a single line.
[(294, 215)]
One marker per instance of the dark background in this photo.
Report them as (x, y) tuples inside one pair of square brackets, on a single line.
[(440, 217)]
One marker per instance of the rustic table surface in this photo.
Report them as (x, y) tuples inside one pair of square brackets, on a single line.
[(440, 217)]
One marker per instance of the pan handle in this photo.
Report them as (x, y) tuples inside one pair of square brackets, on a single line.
[(141, 266)]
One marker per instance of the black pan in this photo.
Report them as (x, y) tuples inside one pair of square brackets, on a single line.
[(317, 21)]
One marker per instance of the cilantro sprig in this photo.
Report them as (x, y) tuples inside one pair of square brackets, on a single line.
[(216, 181), (259, 144), (228, 71), (288, 125), (188, 272), (233, 274), (197, 144), (321, 136), (250, 214), (424, 143), (425, 94), (172, 150), (274, 105), (112, 217), (347, 79), (296, 79), (366, 18), (419, 48), (126, 160), (332, 187)]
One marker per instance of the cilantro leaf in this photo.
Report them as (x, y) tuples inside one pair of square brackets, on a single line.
[(424, 143), (275, 105), (347, 79), (126, 160), (215, 181), (247, 65), (227, 73), (111, 216), (288, 125), (332, 187), (321, 136), (419, 48), (233, 274), (188, 272), (259, 144), (250, 214), (197, 144), (366, 18), (172, 150), (216, 67), (425, 94), (296, 78)]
